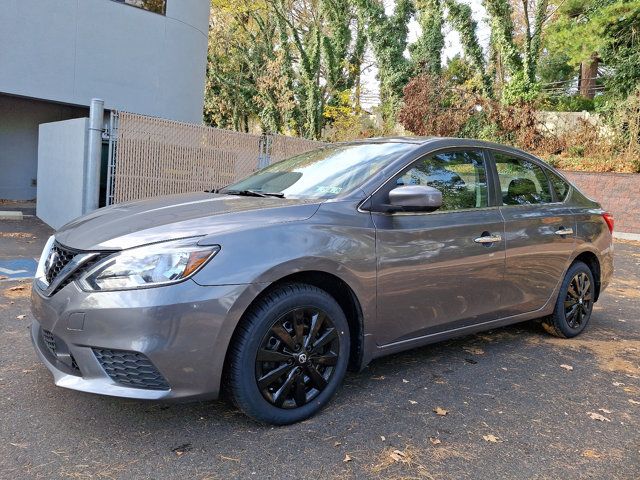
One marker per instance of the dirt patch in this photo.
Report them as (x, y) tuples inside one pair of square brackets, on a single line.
[(391, 456), (612, 355), (16, 235), (22, 290), (625, 288), (599, 454)]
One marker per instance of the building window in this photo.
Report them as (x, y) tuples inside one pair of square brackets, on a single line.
[(155, 6)]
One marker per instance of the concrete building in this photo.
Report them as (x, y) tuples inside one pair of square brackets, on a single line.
[(142, 56)]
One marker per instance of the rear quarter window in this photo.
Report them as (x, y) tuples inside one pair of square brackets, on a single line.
[(559, 185)]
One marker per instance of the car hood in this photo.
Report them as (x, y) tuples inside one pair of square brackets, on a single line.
[(171, 217)]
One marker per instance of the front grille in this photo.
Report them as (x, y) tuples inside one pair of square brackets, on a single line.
[(61, 258), (132, 369)]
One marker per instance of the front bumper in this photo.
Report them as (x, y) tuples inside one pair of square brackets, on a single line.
[(179, 333)]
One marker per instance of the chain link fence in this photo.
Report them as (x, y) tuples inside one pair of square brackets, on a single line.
[(151, 156)]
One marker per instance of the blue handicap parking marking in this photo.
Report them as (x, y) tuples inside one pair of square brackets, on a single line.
[(18, 268)]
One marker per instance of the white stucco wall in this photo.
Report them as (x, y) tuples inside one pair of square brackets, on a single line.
[(70, 51)]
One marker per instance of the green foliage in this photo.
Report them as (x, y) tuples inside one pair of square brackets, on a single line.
[(608, 30), (388, 37), (426, 52), (520, 89), (554, 69), (460, 17), (569, 103)]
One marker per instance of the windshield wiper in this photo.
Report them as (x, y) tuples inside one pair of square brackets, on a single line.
[(254, 193)]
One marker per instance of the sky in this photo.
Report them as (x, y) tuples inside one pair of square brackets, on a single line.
[(452, 46)]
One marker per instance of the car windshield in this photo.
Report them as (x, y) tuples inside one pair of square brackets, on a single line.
[(323, 173)]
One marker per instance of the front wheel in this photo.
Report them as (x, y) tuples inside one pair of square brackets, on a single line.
[(574, 304), (289, 355)]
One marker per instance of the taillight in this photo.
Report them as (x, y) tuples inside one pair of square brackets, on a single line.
[(609, 219)]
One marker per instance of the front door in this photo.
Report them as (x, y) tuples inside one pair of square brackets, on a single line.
[(539, 231), (443, 269)]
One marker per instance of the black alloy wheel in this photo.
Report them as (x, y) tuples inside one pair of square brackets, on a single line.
[(575, 303), (297, 357), (578, 302), (289, 354)]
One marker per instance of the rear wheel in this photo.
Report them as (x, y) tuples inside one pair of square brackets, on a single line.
[(289, 355), (574, 304)]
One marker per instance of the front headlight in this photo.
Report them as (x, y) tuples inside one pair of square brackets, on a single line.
[(149, 266)]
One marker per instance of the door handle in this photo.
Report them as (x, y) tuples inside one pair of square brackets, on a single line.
[(564, 231), (488, 239)]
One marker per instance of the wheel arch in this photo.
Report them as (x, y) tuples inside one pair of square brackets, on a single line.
[(341, 292), (591, 260)]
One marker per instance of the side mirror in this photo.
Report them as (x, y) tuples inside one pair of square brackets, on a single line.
[(415, 198)]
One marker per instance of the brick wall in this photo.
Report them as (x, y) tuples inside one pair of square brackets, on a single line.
[(619, 193)]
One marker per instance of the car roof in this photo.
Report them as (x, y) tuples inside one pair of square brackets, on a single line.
[(440, 142)]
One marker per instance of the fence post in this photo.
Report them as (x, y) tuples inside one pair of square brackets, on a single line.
[(91, 191)]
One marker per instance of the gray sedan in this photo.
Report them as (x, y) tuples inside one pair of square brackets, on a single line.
[(269, 289)]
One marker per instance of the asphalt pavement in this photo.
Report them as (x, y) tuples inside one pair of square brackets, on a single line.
[(508, 403)]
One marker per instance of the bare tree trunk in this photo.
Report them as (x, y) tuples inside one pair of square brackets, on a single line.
[(588, 74)]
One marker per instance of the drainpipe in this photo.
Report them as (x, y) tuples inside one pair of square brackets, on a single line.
[(91, 192)]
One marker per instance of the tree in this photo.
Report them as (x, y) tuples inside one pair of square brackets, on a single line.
[(600, 31), (387, 35), (426, 52), (518, 54)]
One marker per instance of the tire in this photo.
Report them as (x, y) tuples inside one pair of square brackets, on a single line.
[(279, 371), (575, 303)]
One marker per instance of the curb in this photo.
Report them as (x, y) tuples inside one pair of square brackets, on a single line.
[(11, 215), (626, 236)]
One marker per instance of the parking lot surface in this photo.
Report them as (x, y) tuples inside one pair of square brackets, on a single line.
[(509, 403)]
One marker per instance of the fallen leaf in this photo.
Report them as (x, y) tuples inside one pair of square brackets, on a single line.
[(19, 288), (634, 402), (21, 317), (566, 367), (490, 438), (405, 381), (435, 441), (412, 402), (347, 458), (604, 410), (398, 456), (182, 449), (618, 384), (337, 444), (440, 411), (597, 416), (473, 350), (382, 437), (591, 454), (230, 458)]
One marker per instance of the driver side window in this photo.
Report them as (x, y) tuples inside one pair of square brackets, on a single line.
[(460, 175)]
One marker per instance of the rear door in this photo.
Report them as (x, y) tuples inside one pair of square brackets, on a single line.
[(539, 231), (434, 270)]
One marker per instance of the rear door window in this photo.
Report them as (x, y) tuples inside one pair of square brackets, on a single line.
[(521, 182)]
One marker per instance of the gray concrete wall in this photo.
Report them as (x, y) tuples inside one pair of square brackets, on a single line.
[(73, 50), (19, 120), (61, 163)]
